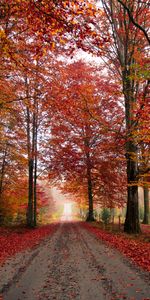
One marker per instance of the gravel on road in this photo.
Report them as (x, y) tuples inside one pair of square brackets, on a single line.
[(72, 264)]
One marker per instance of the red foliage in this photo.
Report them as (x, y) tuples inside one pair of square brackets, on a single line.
[(12, 242), (145, 229), (138, 252)]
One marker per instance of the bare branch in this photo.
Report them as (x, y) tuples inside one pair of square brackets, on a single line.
[(133, 20)]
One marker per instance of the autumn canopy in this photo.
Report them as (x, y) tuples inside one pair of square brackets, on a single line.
[(74, 106)]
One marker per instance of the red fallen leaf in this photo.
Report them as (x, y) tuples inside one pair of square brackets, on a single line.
[(12, 242), (45, 286), (138, 252), (130, 284)]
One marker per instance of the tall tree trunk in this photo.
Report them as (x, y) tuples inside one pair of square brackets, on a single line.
[(146, 219), (35, 136), (32, 131), (35, 166), (30, 194), (1, 183), (29, 218), (132, 224), (35, 193), (125, 41), (90, 216), (3, 171)]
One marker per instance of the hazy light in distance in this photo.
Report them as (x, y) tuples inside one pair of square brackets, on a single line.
[(67, 209)]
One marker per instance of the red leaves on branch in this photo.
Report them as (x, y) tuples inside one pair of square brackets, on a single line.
[(86, 120), (138, 252), (12, 242)]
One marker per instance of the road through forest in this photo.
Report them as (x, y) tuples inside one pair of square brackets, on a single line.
[(72, 264)]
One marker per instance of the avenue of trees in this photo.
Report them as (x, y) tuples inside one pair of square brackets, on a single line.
[(83, 123)]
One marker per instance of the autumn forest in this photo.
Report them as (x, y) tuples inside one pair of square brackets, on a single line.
[(74, 107)]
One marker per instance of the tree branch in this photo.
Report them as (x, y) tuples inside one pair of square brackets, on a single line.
[(133, 20)]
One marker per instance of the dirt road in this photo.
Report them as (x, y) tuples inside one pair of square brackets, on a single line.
[(72, 264)]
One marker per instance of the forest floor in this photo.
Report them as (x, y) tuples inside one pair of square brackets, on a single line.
[(72, 262)]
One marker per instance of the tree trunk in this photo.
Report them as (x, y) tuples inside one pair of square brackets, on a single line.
[(32, 131), (30, 194), (124, 42), (90, 216), (3, 170), (35, 198), (132, 216), (35, 170), (29, 215), (1, 184), (146, 219), (132, 224)]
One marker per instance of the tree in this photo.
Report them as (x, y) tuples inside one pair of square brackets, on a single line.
[(127, 42), (141, 10), (85, 134), (144, 178), (30, 87), (12, 162)]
